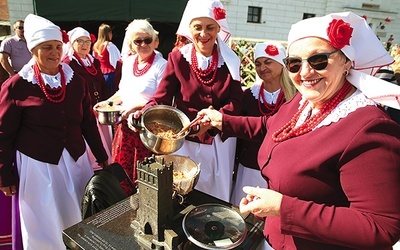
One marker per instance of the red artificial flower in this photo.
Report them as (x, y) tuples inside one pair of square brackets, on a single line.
[(339, 33), (219, 13), (92, 37), (365, 17), (387, 20), (272, 50), (65, 37)]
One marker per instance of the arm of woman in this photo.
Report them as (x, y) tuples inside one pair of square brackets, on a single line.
[(10, 119), (370, 178), (114, 53)]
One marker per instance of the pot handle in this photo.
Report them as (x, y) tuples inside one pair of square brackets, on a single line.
[(134, 124)]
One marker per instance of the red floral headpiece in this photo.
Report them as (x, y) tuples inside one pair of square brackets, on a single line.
[(92, 37), (65, 37), (219, 13), (272, 50), (339, 33)]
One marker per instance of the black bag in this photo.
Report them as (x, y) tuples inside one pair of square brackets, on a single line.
[(103, 190)]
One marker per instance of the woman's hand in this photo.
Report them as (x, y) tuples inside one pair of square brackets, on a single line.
[(9, 191), (134, 116), (210, 118), (261, 202), (127, 111)]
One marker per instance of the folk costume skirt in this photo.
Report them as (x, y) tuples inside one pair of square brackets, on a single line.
[(50, 198), (216, 165), (5, 222)]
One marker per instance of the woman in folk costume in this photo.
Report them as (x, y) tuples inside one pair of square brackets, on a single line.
[(107, 53), (331, 154), (201, 74), (45, 117), (77, 56), (264, 98), (142, 70)]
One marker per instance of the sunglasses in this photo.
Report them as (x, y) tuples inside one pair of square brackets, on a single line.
[(317, 61), (83, 42), (139, 42), (20, 27)]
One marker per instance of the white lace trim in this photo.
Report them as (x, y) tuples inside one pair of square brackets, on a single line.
[(54, 81), (271, 97), (355, 101), (187, 54)]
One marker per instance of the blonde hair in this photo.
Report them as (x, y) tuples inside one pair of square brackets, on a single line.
[(288, 88), (102, 37), (138, 26)]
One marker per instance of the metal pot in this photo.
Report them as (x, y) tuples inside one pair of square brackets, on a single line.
[(166, 115), (108, 116)]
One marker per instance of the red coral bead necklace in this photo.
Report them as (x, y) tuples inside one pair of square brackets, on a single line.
[(59, 95), (271, 108), (140, 72), (289, 130), (91, 69), (210, 72)]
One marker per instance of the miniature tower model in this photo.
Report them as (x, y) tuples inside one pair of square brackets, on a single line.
[(155, 197)]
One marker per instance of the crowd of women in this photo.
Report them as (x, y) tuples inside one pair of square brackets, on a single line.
[(308, 147)]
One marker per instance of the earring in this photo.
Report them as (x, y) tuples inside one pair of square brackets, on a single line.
[(346, 73)]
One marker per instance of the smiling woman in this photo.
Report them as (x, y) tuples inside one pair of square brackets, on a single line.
[(201, 74), (47, 104)]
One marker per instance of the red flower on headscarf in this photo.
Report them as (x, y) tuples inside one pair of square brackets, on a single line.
[(339, 33), (272, 50), (65, 37), (92, 37), (219, 13)]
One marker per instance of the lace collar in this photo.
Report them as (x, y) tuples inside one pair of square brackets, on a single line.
[(202, 60), (355, 101), (54, 81), (271, 97)]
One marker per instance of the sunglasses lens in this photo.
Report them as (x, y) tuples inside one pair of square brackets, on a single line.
[(293, 64), (139, 42), (319, 61)]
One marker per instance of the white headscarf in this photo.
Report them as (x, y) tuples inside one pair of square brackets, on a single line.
[(74, 34), (38, 30), (215, 10), (270, 49), (352, 35)]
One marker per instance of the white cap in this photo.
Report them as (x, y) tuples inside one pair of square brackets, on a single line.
[(38, 30), (271, 49), (76, 33), (215, 10), (354, 37)]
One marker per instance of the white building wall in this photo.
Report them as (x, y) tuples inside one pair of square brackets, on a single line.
[(19, 9), (278, 15)]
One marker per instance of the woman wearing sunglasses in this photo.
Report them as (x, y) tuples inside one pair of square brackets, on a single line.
[(203, 73), (77, 56), (142, 70), (331, 154)]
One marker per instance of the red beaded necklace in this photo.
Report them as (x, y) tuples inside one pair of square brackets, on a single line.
[(289, 130), (201, 74), (271, 108), (140, 72), (92, 69), (57, 97)]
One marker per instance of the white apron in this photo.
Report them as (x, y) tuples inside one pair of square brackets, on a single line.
[(216, 165), (246, 177), (50, 198)]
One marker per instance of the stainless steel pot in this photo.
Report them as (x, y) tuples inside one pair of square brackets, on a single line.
[(108, 116), (165, 115)]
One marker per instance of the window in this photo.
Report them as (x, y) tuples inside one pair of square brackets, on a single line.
[(308, 15), (254, 15)]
